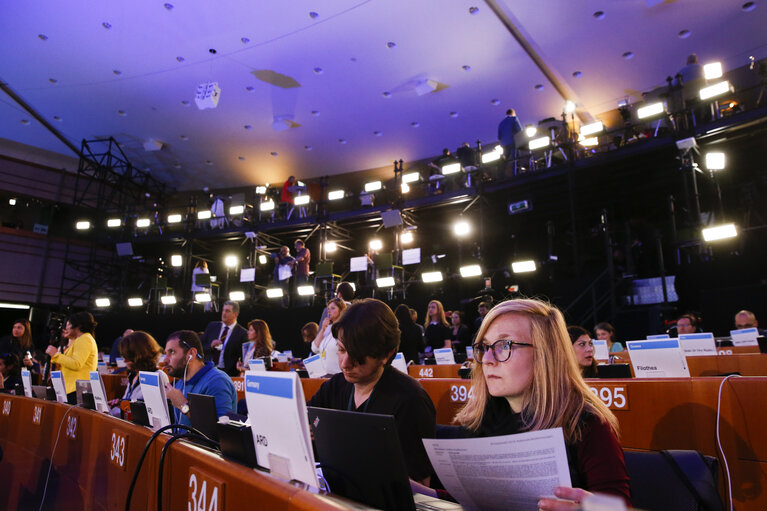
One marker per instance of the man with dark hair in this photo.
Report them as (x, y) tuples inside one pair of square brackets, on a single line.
[(507, 128), (368, 338), (81, 355), (229, 336), (482, 309), (303, 257), (686, 324), (183, 355)]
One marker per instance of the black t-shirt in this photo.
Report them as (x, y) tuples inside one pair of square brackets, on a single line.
[(436, 334), (395, 394), (463, 337), (411, 341)]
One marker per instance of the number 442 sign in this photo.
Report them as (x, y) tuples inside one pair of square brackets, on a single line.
[(204, 493)]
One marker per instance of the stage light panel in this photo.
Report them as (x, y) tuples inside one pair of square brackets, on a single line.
[(590, 129), (451, 168), (373, 186), (202, 297), (237, 296), (330, 247), (530, 130), (103, 302), (261, 190), (168, 300), (114, 222), (410, 177), (720, 232), (715, 161), (385, 282), (305, 290), (431, 276), (176, 260), (231, 261), (143, 222), (461, 228), (267, 205), (262, 259), (204, 215), (237, 209), (274, 292), (301, 200), (715, 90), (405, 188), (651, 110), (376, 244), (174, 218), (336, 194), (491, 156), (539, 143), (83, 225), (406, 237), (712, 70), (472, 270), (135, 302), (523, 266)]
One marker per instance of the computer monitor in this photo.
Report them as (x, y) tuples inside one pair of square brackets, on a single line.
[(203, 415), (379, 478), (614, 371)]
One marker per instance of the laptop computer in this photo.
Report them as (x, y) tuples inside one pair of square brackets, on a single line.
[(43, 392), (203, 415), (379, 478), (140, 416), (614, 371)]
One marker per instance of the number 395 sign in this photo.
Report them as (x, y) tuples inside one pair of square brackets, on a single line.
[(615, 397)]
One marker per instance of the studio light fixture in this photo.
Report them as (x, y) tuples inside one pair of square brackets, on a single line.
[(523, 266), (267, 205), (406, 237), (301, 200), (492, 156), (168, 300), (114, 222), (385, 282), (103, 302), (176, 260), (231, 261), (202, 297), (237, 210), (720, 232), (461, 228), (375, 244), (591, 129), (274, 292), (569, 107), (305, 290), (174, 218), (588, 141), (651, 110), (530, 130), (472, 270), (431, 276), (712, 70), (262, 259), (451, 168), (135, 302), (373, 186), (237, 296), (715, 90), (336, 194), (539, 143), (260, 190), (143, 223), (204, 215), (83, 225), (715, 161), (410, 177), (405, 188), (330, 247)]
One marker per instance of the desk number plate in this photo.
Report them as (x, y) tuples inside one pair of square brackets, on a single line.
[(204, 493), (615, 397)]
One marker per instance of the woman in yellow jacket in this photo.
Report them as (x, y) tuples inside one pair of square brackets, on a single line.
[(81, 354)]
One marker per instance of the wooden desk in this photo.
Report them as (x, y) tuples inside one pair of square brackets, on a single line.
[(747, 364), (115, 384), (97, 454), (435, 371)]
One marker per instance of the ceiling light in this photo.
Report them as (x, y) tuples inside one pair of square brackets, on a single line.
[(530, 130), (231, 261), (330, 247), (523, 266), (305, 290), (406, 237), (274, 292), (628, 55), (176, 260), (267, 205), (114, 222), (237, 296), (590, 129), (12, 201), (237, 210), (451, 168), (203, 215), (83, 225), (135, 302), (720, 232), (373, 186), (472, 270), (336, 194), (260, 190), (491, 156), (431, 276), (712, 70), (262, 259), (375, 244), (651, 110), (539, 143), (202, 297), (301, 200), (168, 300), (461, 228), (103, 302), (385, 282), (715, 90), (588, 141), (569, 107), (715, 161), (142, 222), (15, 306), (410, 177), (405, 188), (174, 218)]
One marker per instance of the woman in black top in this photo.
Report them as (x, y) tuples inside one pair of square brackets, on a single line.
[(460, 335), (437, 331), (410, 338), (10, 371)]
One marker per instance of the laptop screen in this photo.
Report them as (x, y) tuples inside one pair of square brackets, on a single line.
[(202, 414)]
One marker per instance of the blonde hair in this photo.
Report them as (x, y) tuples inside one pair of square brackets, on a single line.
[(557, 395), (440, 314)]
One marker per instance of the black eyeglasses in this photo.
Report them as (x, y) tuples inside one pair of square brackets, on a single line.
[(502, 349)]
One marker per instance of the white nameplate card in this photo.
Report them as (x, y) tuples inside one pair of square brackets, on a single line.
[(281, 436), (288, 353), (469, 353), (153, 389), (105, 358), (245, 349), (99, 394), (102, 368), (698, 345), (257, 364), (281, 357), (120, 362), (444, 356), (399, 362), (314, 366), (658, 336), (658, 359), (59, 386), (601, 352), (26, 379), (526, 466), (745, 337)]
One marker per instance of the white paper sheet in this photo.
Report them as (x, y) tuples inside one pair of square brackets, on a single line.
[(504, 473)]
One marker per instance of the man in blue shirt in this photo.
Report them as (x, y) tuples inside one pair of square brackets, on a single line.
[(183, 355)]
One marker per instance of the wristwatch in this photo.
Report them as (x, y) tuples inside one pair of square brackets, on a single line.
[(185, 408)]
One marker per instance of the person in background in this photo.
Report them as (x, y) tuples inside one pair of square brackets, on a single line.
[(286, 196), (284, 263), (460, 336), (140, 352), (411, 339), (183, 356), (605, 332), (414, 317), (114, 351), (584, 350), (308, 332), (201, 268), (692, 71), (747, 319), (10, 371), (303, 257), (344, 291), (507, 128), (526, 378), (20, 340), (228, 334), (368, 337), (482, 309), (686, 324), (325, 343), (259, 343), (81, 354), (437, 329)]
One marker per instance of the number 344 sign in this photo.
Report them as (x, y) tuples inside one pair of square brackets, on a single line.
[(204, 492)]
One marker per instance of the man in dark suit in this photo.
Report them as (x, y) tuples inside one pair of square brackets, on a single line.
[(229, 336)]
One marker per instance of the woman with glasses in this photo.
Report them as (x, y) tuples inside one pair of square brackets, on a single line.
[(526, 378), (583, 346)]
